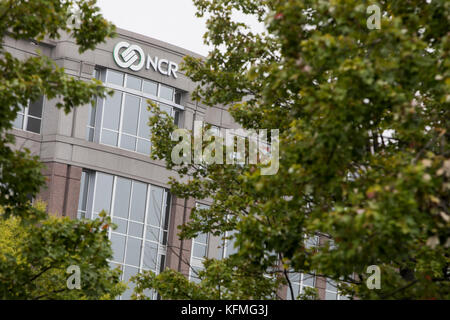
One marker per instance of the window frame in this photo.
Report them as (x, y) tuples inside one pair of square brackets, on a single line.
[(24, 112), (95, 129), (196, 263), (160, 244)]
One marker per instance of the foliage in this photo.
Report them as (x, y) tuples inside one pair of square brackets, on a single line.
[(35, 248), (34, 259), (23, 80), (220, 279), (364, 159)]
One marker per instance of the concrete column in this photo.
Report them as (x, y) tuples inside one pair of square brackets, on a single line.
[(179, 251)]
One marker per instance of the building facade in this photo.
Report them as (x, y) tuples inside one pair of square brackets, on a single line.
[(97, 157)]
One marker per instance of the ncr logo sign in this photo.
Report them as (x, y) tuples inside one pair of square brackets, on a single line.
[(133, 57)]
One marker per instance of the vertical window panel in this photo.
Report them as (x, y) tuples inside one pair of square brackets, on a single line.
[(111, 113), (35, 108), (122, 198), (131, 114), (118, 247), (150, 255), (138, 202), (133, 256), (155, 206), (144, 128), (18, 122), (103, 194)]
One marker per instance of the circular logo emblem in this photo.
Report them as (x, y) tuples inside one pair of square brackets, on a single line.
[(132, 57)]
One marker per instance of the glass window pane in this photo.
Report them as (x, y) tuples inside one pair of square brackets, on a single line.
[(166, 92), (166, 213), (121, 225), (199, 251), (133, 256), (150, 87), (308, 280), (109, 138), (166, 108), (178, 95), (18, 123), (144, 127), (331, 285), (134, 83), (122, 197), (131, 114), (202, 238), (92, 113), (103, 192), (136, 229), (90, 134), (294, 277), (144, 146), (82, 202), (295, 289), (115, 77), (150, 255), (138, 201), (330, 295), (111, 112), (35, 108), (152, 234), (155, 206), (34, 125), (118, 246), (177, 117), (115, 266), (128, 142), (129, 272)]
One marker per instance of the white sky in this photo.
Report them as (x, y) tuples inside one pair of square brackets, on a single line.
[(172, 21)]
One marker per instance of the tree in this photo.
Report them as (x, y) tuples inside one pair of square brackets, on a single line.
[(26, 80), (220, 279), (37, 249), (35, 260), (363, 116)]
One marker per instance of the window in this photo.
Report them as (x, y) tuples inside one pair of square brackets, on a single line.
[(141, 213), (332, 292), (229, 244), (199, 251), (299, 281), (198, 254), (29, 117), (121, 120)]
